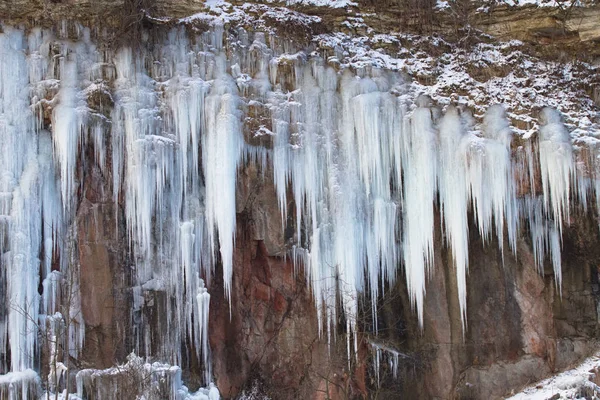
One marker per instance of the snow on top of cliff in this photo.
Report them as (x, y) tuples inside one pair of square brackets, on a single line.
[(257, 15), (223, 11), (444, 4), (323, 3), (218, 11), (543, 3), (484, 74), (314, 3), (567, 385)]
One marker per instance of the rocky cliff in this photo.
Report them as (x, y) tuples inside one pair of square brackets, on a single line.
[(255, 194)]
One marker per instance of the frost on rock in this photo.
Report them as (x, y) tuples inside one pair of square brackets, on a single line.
[(322, 3)]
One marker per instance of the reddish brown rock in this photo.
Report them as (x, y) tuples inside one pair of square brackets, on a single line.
[(101, 249), (520, 327)]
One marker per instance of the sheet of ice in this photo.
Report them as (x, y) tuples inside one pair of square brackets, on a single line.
[(20, 188)]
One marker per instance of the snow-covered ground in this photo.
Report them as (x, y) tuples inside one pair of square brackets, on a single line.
[(576, 383)]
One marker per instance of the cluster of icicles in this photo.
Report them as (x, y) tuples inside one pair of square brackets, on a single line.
[(366, 166)]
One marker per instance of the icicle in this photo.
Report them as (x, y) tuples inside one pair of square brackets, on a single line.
[(66, 131), (500, 179), (557, 166), (420, 174), (135, 135), (222, 150), (490, 177), (203, 299), (20, 196), (381, 353), (454, 198), (558, 174)]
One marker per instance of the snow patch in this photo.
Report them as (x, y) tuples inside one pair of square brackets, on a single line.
[(568, 385)]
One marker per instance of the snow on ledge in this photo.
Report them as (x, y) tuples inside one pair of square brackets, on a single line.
[(216, 4), (19, 377), (570, 384), (323, 3), (444, 4)]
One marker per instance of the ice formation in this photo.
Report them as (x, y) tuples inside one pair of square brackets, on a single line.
[(556, 165), (383, 355), (139, 379), (22, 385), (362, 167), (454, 195)]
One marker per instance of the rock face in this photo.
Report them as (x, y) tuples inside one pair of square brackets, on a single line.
[(521, 328), (103, 271), (539, 25), (268, 335)]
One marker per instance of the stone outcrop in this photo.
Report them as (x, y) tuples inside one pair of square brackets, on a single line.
[(533, 24), (537, 25), (268, 334), (521, 327), (104, 273)]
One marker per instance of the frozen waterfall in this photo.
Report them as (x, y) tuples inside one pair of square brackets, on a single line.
[(372, 173)]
